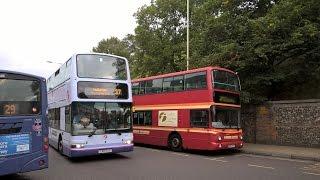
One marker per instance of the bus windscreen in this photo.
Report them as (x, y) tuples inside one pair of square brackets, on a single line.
[(226, 80), (101, 67), (19, 97)]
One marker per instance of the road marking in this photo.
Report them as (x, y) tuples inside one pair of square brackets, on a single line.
[(154, 150), (216, 159), (180, 154), (311, 173), (238, 155), (259, 166), (314, 167), (276, 158)]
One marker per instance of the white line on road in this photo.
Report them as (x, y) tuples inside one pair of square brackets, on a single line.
[(275, 158), (216, 159), (259, 166), (311, 173), (180, 154), (154, 150), (149, 149)]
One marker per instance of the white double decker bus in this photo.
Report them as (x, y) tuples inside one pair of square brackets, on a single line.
[(89, 101)]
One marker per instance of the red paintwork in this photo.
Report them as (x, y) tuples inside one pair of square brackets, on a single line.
[(191, 140)]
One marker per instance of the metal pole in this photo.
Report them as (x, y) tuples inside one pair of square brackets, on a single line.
[(187, 34)]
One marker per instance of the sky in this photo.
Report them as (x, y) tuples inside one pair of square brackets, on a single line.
[(33, 32)]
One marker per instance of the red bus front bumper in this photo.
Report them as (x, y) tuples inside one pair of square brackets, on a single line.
[(226, 145)]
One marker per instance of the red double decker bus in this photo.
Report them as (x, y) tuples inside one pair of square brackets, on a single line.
[(195, 109)]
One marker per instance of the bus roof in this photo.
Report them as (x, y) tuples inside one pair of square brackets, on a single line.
[(183, 72), (95, 53), (23, 74)]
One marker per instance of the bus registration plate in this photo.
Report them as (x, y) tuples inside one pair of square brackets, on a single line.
[(231, 146), (104, 151)]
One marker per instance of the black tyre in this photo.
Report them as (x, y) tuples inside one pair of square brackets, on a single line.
[(60, 146), (175, 142)]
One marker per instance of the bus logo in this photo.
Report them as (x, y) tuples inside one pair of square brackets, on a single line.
[(168, 118), (162, 116)]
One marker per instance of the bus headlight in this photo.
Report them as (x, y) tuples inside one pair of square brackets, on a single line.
[(219, 138), (78, 146), (241, 137), (128, 142)]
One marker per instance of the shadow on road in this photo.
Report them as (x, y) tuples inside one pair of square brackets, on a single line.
[(15, 177), (85, 159), (227, 152), (105, 157)]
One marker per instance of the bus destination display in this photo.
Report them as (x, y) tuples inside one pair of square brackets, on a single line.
[(97, 90)]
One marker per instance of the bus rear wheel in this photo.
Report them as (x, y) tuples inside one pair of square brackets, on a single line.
[(175, 142)]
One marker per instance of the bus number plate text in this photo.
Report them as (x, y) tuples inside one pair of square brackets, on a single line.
[(104, 151)]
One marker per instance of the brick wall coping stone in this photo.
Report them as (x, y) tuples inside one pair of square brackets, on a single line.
[(295, 101)]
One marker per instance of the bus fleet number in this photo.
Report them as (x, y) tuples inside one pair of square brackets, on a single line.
[(9, 109)]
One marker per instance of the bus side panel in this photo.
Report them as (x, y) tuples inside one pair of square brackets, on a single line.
[(36, 158), (196, 140)]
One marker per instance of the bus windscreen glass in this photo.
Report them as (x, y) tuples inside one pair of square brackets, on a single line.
[(19, 97), (99, 118), (226, 118), (226, 80), (101, 66)]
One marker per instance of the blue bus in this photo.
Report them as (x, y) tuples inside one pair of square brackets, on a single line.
[(24, 140)]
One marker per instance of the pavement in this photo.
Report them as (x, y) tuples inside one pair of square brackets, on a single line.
[(311, 154)]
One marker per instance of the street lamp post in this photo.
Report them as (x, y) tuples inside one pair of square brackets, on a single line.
[(187, 34)]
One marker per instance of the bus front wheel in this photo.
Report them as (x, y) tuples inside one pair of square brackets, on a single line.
[(175, 142)]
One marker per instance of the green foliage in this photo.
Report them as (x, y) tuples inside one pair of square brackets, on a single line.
[(273, 44), (114, 46)]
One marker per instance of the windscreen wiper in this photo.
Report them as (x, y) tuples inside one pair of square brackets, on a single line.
[(92, 133)]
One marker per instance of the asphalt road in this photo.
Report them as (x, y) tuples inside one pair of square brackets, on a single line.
[(147, 163)]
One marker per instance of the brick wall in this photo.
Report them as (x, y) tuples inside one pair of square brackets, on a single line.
[(294, 123)]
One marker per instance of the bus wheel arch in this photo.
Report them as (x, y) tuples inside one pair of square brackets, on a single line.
[(175, 141)]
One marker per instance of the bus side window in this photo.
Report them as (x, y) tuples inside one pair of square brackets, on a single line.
[(177, 83), (154, 86), (142, 88), (50, 117), (56, 118), (199, 118), (142, 118), (135, 88), (135, 118), (196, 80), (167, 84), (68, 119)]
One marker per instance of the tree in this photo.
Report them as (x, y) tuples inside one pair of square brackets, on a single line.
[(273, 44), (114, 46)]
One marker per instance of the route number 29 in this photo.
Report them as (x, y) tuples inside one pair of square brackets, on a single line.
[(9, 109)]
